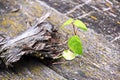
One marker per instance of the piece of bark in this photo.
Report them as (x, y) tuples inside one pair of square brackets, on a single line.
[(39, 40)]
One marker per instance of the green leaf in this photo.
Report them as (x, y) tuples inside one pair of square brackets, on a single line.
[(75, 45), (68, 55), (80, 24), (68, 22)]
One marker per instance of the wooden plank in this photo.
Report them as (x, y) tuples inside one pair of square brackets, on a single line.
[(99, 54), (29, 68)]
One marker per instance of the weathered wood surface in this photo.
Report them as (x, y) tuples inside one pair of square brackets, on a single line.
[(39, 40), (13, 24), (101, 15), (29, 68), (101, 58), (100, 61)]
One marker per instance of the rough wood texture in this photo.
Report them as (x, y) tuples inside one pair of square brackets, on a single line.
[(100, 15), (17, 37), (29, 68), (101, 58), (39, 40)]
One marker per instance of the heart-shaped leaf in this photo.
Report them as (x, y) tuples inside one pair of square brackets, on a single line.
[(80, 24), (68, 22), (68, 55), (74, 44)]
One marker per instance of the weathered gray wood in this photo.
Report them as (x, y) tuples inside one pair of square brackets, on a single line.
[(29, 68), (100, 60), (14, 35), (38, 40), (99, 15)]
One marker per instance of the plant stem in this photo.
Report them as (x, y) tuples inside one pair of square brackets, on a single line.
[(74, 29)]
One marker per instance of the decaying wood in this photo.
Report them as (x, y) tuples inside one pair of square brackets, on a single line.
[(39, 40)]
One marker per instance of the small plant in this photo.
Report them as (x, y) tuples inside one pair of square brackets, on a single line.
[(74, 42)]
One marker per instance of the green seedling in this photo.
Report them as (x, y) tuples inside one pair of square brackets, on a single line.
[(74, 42)]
